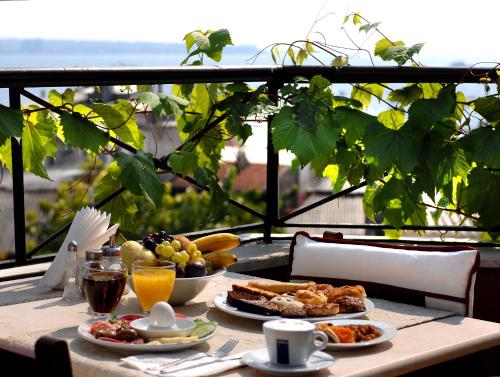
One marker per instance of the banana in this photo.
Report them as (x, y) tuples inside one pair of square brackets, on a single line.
[(220, 259), (218, 242)]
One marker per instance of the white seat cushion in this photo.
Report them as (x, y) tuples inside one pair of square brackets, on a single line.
[(445, 276)]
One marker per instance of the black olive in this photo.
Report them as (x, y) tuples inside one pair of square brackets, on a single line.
[(126, 334)]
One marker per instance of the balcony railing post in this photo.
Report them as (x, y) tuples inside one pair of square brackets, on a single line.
[(18, 185), (272, 188)]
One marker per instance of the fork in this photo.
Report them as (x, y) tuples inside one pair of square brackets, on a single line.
[(217, 354)]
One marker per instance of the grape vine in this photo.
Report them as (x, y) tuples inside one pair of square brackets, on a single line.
[(432, 148)]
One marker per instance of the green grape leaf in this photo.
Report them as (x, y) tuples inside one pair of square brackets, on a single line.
[(483, 144), (481, 197), (60, 99), (39, 142), (424, 113), (210, 43), (383, 45), (385, 147), (398, 203), (430, 90), (119, 118), (393, 119), (144, 88), (11, 123), (489, 108), (121, 208), (289, 134), (138, 175), (356, 19), (183, 162), (353, 121), (396, 51), (406, 95), (301, 56), (369, 26), (81, 133), (6, 155), (340, 61), (217, 199), (364, 92), (446, 162), (149, 98)]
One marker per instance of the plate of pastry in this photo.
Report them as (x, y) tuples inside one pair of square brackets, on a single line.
[(265, 300)]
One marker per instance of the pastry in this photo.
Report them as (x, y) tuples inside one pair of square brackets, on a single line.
[(287, 302), (311, 297), (323, 310), (279, 287), (252, 303), (267, 294), (350, 304)]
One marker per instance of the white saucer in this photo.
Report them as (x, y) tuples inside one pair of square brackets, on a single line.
[(259, 359)]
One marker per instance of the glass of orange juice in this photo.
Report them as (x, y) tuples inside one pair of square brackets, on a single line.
[(153, 281)]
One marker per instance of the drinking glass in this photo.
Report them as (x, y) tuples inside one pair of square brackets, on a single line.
[(103, 288), (153, 281)]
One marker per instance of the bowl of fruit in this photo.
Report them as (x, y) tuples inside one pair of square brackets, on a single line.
[(197, 261)]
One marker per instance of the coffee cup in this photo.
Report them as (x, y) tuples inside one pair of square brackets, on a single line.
[(290, 342)]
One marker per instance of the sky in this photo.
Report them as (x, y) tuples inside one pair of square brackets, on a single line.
[(453, 30)]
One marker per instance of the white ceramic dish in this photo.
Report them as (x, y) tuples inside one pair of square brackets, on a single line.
[(220, 302), (259, 359), (182, 327), (388, 332), (186, 289), (83, 332)]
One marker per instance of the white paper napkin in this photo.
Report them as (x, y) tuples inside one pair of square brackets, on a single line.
[(204, 366), (90, 231)]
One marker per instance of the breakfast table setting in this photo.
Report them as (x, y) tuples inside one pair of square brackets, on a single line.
[(168, 306)]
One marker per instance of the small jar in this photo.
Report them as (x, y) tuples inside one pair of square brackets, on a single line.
[(112, 260), (93, 260)]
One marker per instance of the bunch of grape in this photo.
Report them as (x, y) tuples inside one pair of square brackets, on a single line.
[(189, 262)]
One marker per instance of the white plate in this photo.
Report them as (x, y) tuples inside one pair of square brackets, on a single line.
[(83, 332), (259, 359), (220, 302), (388, 332)]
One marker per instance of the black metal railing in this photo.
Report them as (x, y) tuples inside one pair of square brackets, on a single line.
[(18, 80)]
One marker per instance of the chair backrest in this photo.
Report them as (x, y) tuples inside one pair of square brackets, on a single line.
[(437, 277), (51, 358)]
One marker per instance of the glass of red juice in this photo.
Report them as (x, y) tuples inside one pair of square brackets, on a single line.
[(103, 289)]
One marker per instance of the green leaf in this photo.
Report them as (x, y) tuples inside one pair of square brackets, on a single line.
[(39, 142), (489, 108), (60, 99), (367, 27), (210, 43), (144, 88), (309, 47), (11, 123), (446, 162), (431, 90), (353, 121), (217, 199), (122, 207), (481, 197), (340, 61), (81, 133), (138, 175), (385, 147), (119, 118), (483, 144), (275, 54), (6, 155), (364, 92), (149, 98), (356, 19), (291, 55), (406, 95), (383, 45), (392, 119), (289, 134), (424, 113), (183, 162), (301, 56)]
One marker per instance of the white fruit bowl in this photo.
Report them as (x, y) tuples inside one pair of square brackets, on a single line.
[(186, 289)]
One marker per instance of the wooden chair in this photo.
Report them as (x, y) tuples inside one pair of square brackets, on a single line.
[(51, 359)]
